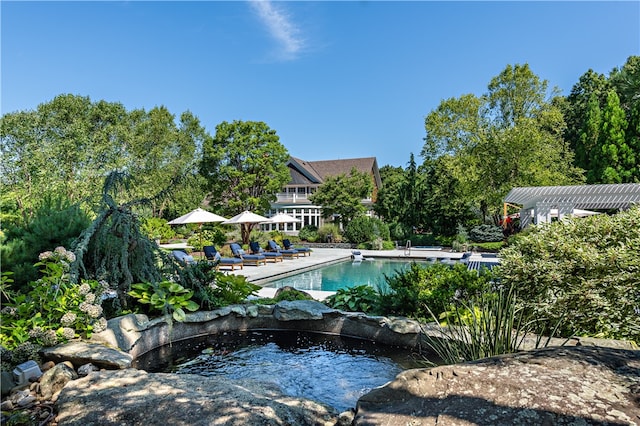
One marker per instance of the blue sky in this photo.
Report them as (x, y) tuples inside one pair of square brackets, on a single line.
[(334, 79)]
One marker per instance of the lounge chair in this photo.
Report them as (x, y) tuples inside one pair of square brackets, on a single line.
[(271, 256), (274, 247), (211, 253), (182, 257), (250, 259), (304, 251)]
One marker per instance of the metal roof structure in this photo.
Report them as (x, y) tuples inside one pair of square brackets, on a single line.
[(602, 196)]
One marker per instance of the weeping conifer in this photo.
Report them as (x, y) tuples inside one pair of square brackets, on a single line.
[(113, 249)]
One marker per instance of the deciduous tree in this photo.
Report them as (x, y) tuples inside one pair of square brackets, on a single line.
[(343, 194), (245, 166), (511, 136)]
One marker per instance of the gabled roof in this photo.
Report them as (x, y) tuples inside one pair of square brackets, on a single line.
[(302, 172), (317, 171), (604, 196)]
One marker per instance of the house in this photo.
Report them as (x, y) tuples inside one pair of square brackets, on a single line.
[(306, 177), (542, 204)]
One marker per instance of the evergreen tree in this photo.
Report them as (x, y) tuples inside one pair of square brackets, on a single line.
[(615, 158)]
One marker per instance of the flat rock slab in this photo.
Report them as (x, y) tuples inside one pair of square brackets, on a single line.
[(80, 353), (133, 397), (553, 386)]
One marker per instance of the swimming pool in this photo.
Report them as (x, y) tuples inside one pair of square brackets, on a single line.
[(343, 275)]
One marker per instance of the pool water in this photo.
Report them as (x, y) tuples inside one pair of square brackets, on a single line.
[(330, 369), (344, 275)]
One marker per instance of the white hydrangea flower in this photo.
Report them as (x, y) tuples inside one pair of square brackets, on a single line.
[(100, 325), (68, 333), (45, 255), (68, 318), (94, 311), (85, 307)]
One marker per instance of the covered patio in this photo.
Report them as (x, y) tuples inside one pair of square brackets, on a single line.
[(539, 204)]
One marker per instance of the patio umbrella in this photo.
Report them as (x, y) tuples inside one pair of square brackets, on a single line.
[(282, 218), (247, 220), (198, 216)]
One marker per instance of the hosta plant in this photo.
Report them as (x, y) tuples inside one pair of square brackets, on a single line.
[(166, 297)]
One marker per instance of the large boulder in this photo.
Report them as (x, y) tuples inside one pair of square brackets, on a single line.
[(552, 386), (133, 397), (79, 353)]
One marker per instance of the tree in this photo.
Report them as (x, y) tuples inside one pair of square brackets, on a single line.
[(589, 139), (67, 146), (511, 136), (446, 206), (163, 154), (615, 160), (411, 197), (387, 202), (245, 166), (582, 116), (342, 195), (604, 131)]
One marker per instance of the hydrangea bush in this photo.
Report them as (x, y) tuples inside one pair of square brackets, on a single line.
[(53, 310)]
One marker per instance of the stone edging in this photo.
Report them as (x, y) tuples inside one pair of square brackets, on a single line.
[(131, 336)]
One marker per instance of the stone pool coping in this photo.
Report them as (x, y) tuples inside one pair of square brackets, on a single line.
[(131, 336)]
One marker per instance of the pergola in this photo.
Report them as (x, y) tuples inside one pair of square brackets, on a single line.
[(537, 202)]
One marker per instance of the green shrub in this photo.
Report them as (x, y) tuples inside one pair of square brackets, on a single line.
[(56, 222), (232, 289), (421, 290), (309, 233), (429, 240), (291, 294), (490, 246), (360, 230), (584, 269), (362, 298), (329, 230), (156, 228), (400, 232), (486, 233), (366, 229)]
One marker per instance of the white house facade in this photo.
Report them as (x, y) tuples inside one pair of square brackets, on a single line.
[(306, 177)]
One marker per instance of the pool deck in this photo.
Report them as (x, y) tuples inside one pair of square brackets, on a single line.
[(261, 275)]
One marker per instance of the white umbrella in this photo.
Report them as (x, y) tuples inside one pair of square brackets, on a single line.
[(198, 216), (282, 218), (247, 220)]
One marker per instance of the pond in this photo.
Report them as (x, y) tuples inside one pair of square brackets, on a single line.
[(344, 275), (330, 369)]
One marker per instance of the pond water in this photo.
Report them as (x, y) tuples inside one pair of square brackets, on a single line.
[(330, 369), (344, 275)]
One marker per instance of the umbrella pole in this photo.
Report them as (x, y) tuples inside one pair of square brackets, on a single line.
[(200, 249)]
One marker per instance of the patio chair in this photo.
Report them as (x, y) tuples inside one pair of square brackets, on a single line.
[(212, 254), (271, 256), (304, 251), (274, 247), (182, 257), (250, 259)]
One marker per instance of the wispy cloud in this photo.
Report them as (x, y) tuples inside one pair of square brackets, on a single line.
[(281, 28)]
